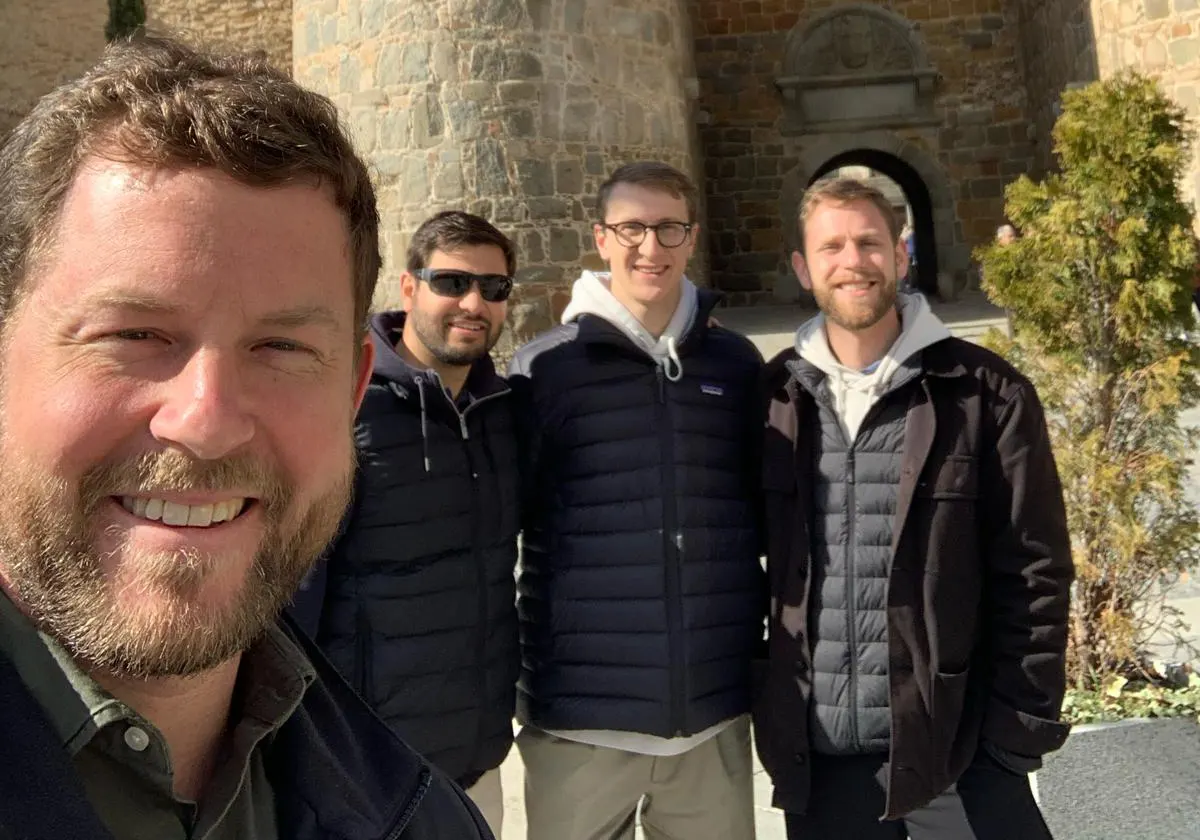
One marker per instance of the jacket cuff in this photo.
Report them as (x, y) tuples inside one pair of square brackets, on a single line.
[(1022, 733)]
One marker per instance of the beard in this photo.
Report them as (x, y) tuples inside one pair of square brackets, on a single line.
[(857, 315), (434, 333), (48, 536)]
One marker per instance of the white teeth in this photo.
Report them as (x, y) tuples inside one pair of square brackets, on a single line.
[(173, 513)]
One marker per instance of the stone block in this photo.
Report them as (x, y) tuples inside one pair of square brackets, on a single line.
[(448, 184), (414, 180), (503, 13), (575, 16), (512, 91), (519, 122), (564, 244), (1157, 9), (532, 249), (568, 177), (635, 123), (523, 64), (393, 129), (547, 209), (536, 177), (477, 91), (978, 40), (539, 274), (593, 164), (414, 62), (491, 172), (1184, 51), (579, 119)]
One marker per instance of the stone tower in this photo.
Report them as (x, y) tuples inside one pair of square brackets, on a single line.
[(514, 109)]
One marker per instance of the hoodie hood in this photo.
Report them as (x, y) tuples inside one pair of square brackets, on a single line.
[(855, 391), (407, 381), (592, 295)]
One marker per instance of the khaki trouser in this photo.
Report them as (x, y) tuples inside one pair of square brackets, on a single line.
[(581, 792), (488, 796)]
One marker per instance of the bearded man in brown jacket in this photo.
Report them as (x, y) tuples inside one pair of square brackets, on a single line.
[(918, 557)]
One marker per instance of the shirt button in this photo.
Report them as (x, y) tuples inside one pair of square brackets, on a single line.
[(136, 738)]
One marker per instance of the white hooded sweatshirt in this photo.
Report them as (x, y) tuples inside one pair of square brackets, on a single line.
[(592, 295), (855, 391)]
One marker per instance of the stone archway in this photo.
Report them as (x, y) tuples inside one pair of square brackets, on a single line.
[(916, 171)]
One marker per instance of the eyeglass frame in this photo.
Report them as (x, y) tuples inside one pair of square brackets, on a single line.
[(688, 227), (477, 279)]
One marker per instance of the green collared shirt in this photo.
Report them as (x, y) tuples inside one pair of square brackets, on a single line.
[(123, 761)]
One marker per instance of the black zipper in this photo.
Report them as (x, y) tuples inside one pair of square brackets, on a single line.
[(480, 568), (362, 650), (851, 599), (672, 549), (398, 828)]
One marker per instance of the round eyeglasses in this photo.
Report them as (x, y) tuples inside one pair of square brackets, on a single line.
[(669, 234)]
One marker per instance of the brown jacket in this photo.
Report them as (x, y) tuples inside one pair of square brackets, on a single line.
[(979, 587)]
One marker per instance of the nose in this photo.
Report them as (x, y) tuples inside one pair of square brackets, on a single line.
[(203, 408), (650, 246), (472, 302)]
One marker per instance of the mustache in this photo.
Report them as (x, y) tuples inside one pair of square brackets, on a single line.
[(170, 470)]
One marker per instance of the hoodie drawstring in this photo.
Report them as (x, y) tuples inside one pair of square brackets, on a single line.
[(672, 359), (424, 421)]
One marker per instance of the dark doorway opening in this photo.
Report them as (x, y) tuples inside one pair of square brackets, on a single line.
[(925, 267)]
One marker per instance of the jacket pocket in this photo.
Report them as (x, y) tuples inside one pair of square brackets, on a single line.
[(947, 699), (957, 478)]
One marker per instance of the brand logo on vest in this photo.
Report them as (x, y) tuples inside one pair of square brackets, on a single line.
[(712, 390)]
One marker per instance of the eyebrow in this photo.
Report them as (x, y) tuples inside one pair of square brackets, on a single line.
[(299, 316)]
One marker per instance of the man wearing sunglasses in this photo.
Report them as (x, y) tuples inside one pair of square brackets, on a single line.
[(418, 604), (641, 594)]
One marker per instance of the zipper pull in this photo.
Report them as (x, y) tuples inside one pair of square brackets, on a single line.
[(462, 424), (662, 382)]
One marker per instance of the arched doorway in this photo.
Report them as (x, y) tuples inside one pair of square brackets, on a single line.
[(920, 204)]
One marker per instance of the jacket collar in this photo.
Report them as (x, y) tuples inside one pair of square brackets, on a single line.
[(337, 770), (391, 366)]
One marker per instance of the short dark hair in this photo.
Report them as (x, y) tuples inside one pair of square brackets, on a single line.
[(838, 190), (453, 229), (654, 175), (155, 101)]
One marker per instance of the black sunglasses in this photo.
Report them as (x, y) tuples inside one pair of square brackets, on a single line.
[(454, 282)]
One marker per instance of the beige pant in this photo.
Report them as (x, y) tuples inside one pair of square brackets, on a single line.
[(580, 792), (488, 796)]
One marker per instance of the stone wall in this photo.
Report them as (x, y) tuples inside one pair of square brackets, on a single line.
[(1161, 37), (1059, 49), (240, 24), (967, 133), (514, 110), (42, 44)]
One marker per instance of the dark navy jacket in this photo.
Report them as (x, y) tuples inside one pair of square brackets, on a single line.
[(419, 606), (641, 594), (336, 770)]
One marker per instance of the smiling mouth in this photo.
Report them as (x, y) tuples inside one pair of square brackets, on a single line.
[(473, 327), (179, 515), (656, 270)]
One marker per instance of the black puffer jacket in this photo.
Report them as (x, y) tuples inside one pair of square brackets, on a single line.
[(419, 609), (641, 594)]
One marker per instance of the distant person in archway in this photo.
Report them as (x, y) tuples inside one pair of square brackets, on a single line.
[(910, 248), (917, 554)]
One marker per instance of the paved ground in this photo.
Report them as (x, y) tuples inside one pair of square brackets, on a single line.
[(1080, 772)]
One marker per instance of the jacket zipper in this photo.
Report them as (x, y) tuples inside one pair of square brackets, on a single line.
[(480, 572), (398, 828), (851, 599), (672, 549)]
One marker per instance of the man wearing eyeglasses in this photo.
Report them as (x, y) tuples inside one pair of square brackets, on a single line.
[(417, 608), (641, 594)]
